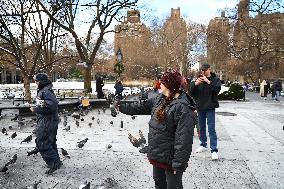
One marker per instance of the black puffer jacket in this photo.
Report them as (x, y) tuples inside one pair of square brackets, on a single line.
[(47, 110), (206, 95), (170, 141)]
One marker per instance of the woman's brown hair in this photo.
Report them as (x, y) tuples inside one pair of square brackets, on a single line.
[(161, 113)]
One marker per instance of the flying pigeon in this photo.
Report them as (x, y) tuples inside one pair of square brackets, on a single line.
[(12, 160), (65, 153), (142, 139), (4, 169), (82, 143), (133, 140)]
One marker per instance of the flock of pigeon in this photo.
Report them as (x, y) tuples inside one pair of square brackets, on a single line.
[(77, 116)]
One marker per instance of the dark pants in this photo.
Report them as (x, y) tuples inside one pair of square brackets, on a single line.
[(100, 93), (46, 141), (165, 179)]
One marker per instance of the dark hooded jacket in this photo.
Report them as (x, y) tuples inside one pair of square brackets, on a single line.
[(47, 111), (206, 95), (169, 141)]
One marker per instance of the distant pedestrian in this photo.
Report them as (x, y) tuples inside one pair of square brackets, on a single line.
[(272, 89), (99, 87), (263, 89), (170, 130), (278, 89), (118, 89), (205, 91), (47, 122)]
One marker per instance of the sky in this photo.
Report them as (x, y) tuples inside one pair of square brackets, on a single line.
[(200, 11)]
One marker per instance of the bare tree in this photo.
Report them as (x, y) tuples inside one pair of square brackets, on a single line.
[(98, 17), (26, 38)]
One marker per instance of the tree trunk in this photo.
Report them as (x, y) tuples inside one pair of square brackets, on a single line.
[(88, 79), (27, 86)]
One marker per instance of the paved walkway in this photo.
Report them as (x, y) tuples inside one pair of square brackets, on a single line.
[(251, 146)]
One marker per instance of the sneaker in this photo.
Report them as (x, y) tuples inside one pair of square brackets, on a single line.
[(200, 149), (214, 156)]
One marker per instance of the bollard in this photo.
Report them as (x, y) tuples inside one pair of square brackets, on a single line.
[(244, 98), (121, 124)]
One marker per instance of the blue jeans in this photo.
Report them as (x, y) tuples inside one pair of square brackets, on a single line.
[(277, 95), (210, 116)]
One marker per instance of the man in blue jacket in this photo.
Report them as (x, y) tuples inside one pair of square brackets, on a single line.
[(47, 122), (205, 91)]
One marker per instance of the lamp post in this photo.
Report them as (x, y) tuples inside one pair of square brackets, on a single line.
[(118, 67)]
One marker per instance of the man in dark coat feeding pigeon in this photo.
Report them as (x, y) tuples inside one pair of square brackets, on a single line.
[(47, 122)]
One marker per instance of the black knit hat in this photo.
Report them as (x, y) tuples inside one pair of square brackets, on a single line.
[(41, 77), (172, 80)]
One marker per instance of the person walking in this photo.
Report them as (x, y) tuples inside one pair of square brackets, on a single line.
[(205, 91), (170, 130), (99, 87), (118, 89), (263, 89), (47, 122), (278, 89)]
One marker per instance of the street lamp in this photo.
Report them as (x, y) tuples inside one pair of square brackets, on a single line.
[(118, 67)]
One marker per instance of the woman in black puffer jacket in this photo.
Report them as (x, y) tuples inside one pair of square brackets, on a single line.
[(170, 130)]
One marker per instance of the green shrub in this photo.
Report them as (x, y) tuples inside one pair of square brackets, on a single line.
[(235, 92)]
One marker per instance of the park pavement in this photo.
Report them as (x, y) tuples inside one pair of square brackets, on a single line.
[(250, 142)]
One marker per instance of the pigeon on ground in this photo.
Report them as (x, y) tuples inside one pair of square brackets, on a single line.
[(33, 152), (4, 130), (10, 127), (35, 185), (99, 112), (67, 128), (113, 112), (90, 125), (12, 160), (65, 153), (98, 121), (76, 116), (111, 122), (133, 117), (77, 123), (14, 135), (82, 142), (82, 119), (15, 118), (93, 118), (85, 185), (64, 123), (104, 110), (28, 139)]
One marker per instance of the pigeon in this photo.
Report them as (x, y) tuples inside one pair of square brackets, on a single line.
[(4, 169), (33, 152), (12, 160), (76, 116), (4, 131), (113, 112), (111, 122), (133, 117), (82, 143), (104, 110), (99, 112), (35, 185), (28, 139), (93, 118), (10, 127), (85, 185), (98, 121), (65, 153), (109, 146), (64, 123), (15, 118), (133, 140), (67, 128), (142, 139), (77, 123), (82, 119), (90, 125), (14, 135)]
